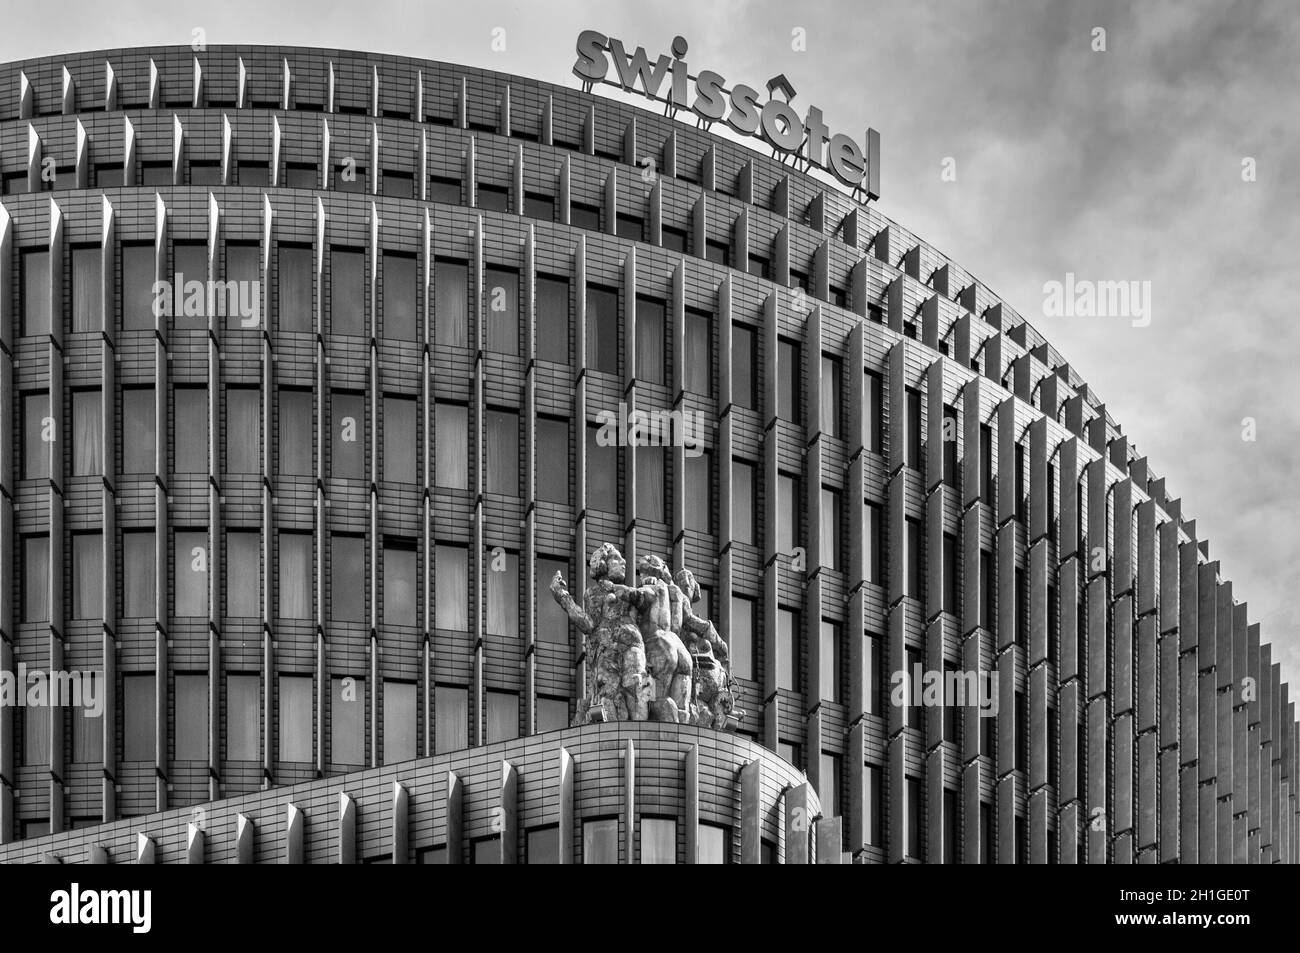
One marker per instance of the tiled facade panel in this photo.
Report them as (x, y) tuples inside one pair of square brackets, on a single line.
[(901, 472)]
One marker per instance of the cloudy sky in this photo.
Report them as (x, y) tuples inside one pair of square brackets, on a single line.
[(1122, 165)]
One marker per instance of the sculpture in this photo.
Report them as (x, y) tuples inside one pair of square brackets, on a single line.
[(650, 656)]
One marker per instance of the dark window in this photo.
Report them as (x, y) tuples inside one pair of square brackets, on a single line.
[(451, 599), (36, 292), (949, 826), (830, 528), (552, 442), (400, 287), (760, 267), (630, 227), (719, 252), (296, 580), (255, 174), (673, 239), (875, 797), (87, 576), (502, 715), (347, 720), (602, 472), (552, 622), (740, 642), (698, 349), (650, 489), (913, 818), (875, 543), (451, 436), (789, 528), (539, 206), (950, 431), (552, 713), (190, 429), (350, 177), (348, 450), (191, 717), (913, 558), (874, 411), (294, 288), (138, 270), (347, 578), (584, 216), (399, 433), (295, 717), (986, 463), (789, 668), (451, 718), (451, 303), (651, 340), (444, 191), (191, 572), (398, 184), (295, 433), (602, 329), (138, 717), (950, 573), (494, 198), (829, 388), (913, 429), (788, 402), (743, 513), (553, 319), (243, 573), (243, 429), (986, 589), (830, 660), (744, 354), (502, 456), (189, 279), (501, 309), (301, 175), (139, 579), (347, 291), (399, 582)]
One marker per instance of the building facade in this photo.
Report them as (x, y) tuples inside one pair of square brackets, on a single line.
[(298, 505)]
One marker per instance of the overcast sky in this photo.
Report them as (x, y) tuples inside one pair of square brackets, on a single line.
[(1123, 165)]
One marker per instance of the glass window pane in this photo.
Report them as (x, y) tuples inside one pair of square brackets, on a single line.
[(399, 440), (451, 303), (294, 276), (451, 718), (742, 502), (36, 735), (399, 721), (36, 292), (243, 429), (650, 491), (830, 528), (295, 575), (452, 588), (190, 276), (503, 593), (600, 841), (830, 396), (87, 433), (191, 717), (553, 319), (87, 289), (651, 340), (36, 428), (347, 291), (347, 589), (830, 661), (552, 622), (243, 573), (399, 290), (241, 300), (87, 576), (295, 433), (602, 329), (698, 349), (295, 718), (190, 429), (501, 309), (348, 719), (138, 717), (35, 585), (658, 840), (243, 717), (744, 351), (602, 473), (502, 452), (138, 273), (399, 583), (191, 573), (138, 421), (87, 725), (552, 442), (139, 580), (699, 491), (552, 714), (740, 646), (787, 648), (711, 845), (451, 434), (502, 716), (347, 433), (543, 845), (787, 394)]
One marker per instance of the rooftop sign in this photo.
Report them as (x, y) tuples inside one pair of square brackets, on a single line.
[(775, 121)]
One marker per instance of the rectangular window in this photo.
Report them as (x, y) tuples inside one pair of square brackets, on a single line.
[(740, 646), (399, 583), (399, 290), (875, 805), (347, 291), (650, 489), (502, 452), (988, 850), (875, 543), (552, 621), (600, 841), (1022, 501), (913, 542), (949, 826), (543, 845), (399, 721), (451, 436), (788, 402), (552, 713), (295, 575), (87, 289), (950, 573), (1022, 732), (584, 216), (347, 578), (788, 667), (87, 433), (190, 429), (712, 844), (87, 729), (347, 436), (830, 528), (399, 440), (444, 190), (760, 267), (295, 434), (602, 473), (986, 463), (398, 184), (673, 239), (87, 576), (347, 720), (602, 329), (699, 491), (950, 708), (539, 206), (986, 589), (451, 303), (139, 269), (1022, 610), (451, 717), (138, 717), (242, 293), (501, 309), (744, 357), (830, 784), (191, 717), (36, 449), (293, 289), (651, 339), (873, 673), (629, 227), (191, 573), (874, 410), (913, 847), (788, 528), (36, 292), (138, 423), (552, 449), (243, 717), (243, 573), (502, 716), (350, 177), (914, 671), (830, 396), (698, 351), (502, 594), (717, 252), (742, 502), (452, 580), (190, 275), (243, 429), (658, 840), (951, 475), (295, 718), (913, 398), (494, 198), (552, 319), (139, 579)]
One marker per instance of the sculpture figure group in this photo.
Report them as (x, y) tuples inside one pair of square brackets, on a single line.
[(650, 657)]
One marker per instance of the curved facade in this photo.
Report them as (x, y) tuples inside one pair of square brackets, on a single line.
[(299, 509)]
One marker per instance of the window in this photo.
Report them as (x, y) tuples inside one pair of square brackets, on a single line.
[(789, 752), (875, 543), (190, 429), (950, 708), (712, 844), (552, 622), (399, 582), (399, 721), (740, 646), (950, 573), (301, 175), (742, 502), (502, 716), (760, 267), (539, 206), (986, 589), (502, 457), (913, 683), (191, 717), (698, 350), (1022, 609), (552, 713), (602, 473), (347, 578), (831, 776), (830, 528), (552, 319), (350, 177), (452, 580), (87, 289), (347, 432), (629, 227), (398, 184), (451, 303), (600, 841), (399, 290), (913, 459), (451, 436), (243, 717), (584, 216), (913, 542), (294, 439), (875, 801), (988, 851), (87, 433), (830, 396), (872, 677), (501, 309), (1022, 501), (347, 291), (138, 420), (913, 847), (1022, 732), (451, 718), (503, 593), (951, 474), (699, 491), (602, 329), (138, 271), (788, 403), (494, 198), (673, 239), (651, 339), (295, 718), (830, 661), (443, 190), (38, 425), (243, 573), (744, 355), (949, 826), (205, 173), (243, 429), (347, 720), (650, 489), (399, 439), (87, 729), (295, 575), (294, 287), (36, 292), (138, 575), (873, 410), (658, 840), (718, 252), (87, 576), (189, 278), (788, 529), (191, 572), (788, 674), (138, 717), (986, 463), (255, 174), (543, 845)]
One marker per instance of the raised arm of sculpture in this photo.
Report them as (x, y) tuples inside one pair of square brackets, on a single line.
[(576, 613)]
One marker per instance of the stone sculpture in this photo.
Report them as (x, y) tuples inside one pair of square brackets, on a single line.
[(650, 657)]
